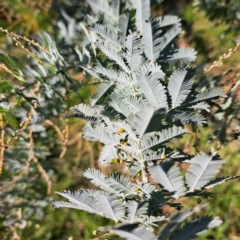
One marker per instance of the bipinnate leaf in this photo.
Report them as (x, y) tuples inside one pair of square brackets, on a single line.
[(209, 94), (98, 179), (133, 51), (108, 152), (84, 109), (168, 175), (168, 38), (174, 222), (101, 90), (106, 34), (142, 13), (180, 85), (152, 88), (202, 170), (131, 232), (79, 201), (100, 134), (189, 117), (103, 6), (219, 180), (192, 229), (162, 137), (111, 206), (136, 210), (168, 20), (121, 184), (112, 54), (151, 39), (178, 56)]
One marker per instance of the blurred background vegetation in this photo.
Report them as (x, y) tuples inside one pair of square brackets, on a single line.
[(44, 152)]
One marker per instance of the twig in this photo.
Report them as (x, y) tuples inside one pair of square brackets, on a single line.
[(1, 144), (220, 60), (65, 141)]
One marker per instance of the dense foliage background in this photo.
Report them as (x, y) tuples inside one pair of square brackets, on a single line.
[(50, 155)]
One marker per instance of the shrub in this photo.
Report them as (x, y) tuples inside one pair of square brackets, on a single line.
[(145, 99)]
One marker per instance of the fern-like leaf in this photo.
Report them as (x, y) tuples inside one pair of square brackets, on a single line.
[(111, 206), (114, 76), (112, 55), (202, 169), (162, 137), (101, 90), (136, 210), (102, 6), (180, 55), (132, 232), (100, 134), (174, 222), (142, 13), (152, 40), (169, 176), (81, 201), (219, 180), (168, 20), (152, 87), (84, 109), (133, 51), (209, 94), (196, 227), (108, 153), (98, 179), (106, 34), (180, 85), (169, 37), (121, 184), (189, 117)]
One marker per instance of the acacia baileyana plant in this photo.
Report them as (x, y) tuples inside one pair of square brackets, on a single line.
[(145, 99)]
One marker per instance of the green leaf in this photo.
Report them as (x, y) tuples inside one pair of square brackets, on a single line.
[(5, 87), (8, 117)]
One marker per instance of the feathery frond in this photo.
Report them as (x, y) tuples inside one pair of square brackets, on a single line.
[(98, 179), (180, 85), (168, 20), (152, 39), (202, 169), (106, 34), (133, 51), (151, 86), (108, 153), (132, 232), (142, 12), (100, 134), (81, 201), (196, 227), (162, 137), (168, 176), (189, 117), (111, 206), (169, 37), (180, 55), (209, 94), (114, 76), (112, 55), (136, 210), (219, 180), (174, 222), (121, 184), (101, 90)]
